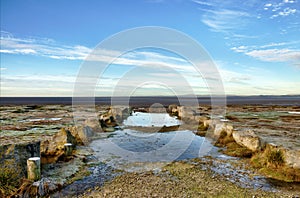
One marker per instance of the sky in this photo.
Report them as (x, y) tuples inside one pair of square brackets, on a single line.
[(254, 44)]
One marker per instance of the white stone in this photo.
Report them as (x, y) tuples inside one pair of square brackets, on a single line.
[(248, 139)]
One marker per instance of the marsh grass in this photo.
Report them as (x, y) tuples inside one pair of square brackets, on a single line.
[(275, 158), (271, 163), (9, 178)]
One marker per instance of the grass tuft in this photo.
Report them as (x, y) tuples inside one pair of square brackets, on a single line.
[(275, 158), (271, 163)]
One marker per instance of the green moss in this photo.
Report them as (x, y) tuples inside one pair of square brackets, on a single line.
[(235, 150), (83, 172)]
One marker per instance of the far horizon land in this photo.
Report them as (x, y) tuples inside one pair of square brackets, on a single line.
[(149, 100)]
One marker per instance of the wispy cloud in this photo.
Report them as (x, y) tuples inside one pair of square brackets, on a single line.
[(156, 66), (277, 55), (51, 49), (37, 85), (41, 47), (203, 3), (271, 52), (224, 20)]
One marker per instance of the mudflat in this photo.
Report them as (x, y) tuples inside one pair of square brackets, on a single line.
[(276, 124)]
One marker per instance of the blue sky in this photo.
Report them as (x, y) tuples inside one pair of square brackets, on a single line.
[(255, 44)]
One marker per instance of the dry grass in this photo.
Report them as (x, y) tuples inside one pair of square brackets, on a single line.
[(9, 178)]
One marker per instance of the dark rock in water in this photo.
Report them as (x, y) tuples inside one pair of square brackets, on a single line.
[(169, 128), (46, 186)]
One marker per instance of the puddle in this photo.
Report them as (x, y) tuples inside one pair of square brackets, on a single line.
[(129, 147), (294, 112), (134, 151), (41, 119), (151, 120)]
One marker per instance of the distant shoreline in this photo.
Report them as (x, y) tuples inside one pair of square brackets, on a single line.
[(164, 100)]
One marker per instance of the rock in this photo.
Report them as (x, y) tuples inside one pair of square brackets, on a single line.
[(173, 109), (94, 124), (105, 127), (52, 149), (204, 124), (40, 188), (188, 112), (46, 186), (292, 158), (223, 128), (120, 113), (115, 115), (169, 128), (248, 139), (82, 134)]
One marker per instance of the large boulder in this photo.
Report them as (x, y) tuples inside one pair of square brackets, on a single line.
[(248, 139), (82, 134), (53, 148)]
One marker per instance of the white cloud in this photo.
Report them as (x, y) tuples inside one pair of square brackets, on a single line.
[(145, 60), (37, 85), (51, 49), (42, 47), (18, 51), (202, 2), (276, 55), (39, 78), (289, 1), (287, 11), (271, 52), (281, 9), (239, 48), (3, 68)]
